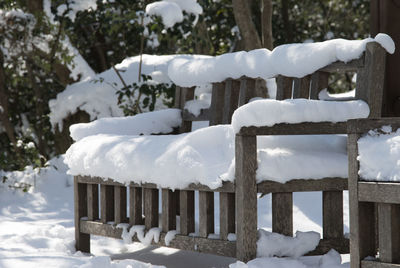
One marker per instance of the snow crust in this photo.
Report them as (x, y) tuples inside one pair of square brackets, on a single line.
[(99, 99), (141, 124), (270, 112), (293, 60), (379, 154), (278, 245), (203, 156)]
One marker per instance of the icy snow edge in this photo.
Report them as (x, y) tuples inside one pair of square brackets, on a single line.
[(294, 60)]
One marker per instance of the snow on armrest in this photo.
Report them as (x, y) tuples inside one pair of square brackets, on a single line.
[(162, 121), (270, 112)]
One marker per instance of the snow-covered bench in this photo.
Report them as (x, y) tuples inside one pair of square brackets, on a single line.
[(186, 155), (374, 192)]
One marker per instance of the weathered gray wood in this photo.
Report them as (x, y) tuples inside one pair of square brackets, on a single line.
[(377, 264), (340, 245), (389, 232), (227, 214), (361, 126), (301, 88), (168, 211), (226, 186), (341, 67), (106, 203), (332, 211), (199, 244), (203, 116), (206, 213), (178, 91), (284, 87), (82, 240), (246, 197), (217, 103), (260, 89), (120, 205), (186, 95), (379, 192), (135, 206), (150, 208), (232, 88), (303, 185), (93, 201), (370, 80), (297, 129), (187, 212), (282, 213), (319, 81), (247, 90)]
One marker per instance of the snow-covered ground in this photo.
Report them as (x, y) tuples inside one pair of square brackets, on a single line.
[(37, 229)]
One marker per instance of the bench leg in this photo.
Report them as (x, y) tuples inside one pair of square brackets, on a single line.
[(82, 241)]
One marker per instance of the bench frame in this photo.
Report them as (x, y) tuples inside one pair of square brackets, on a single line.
[(238, 201)]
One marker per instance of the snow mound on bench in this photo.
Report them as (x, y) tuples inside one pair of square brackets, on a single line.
[(293, 60), (379, 155), (141, 124), (270, 112), (203, 156)]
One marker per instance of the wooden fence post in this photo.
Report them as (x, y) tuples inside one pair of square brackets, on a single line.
[(82, 241)]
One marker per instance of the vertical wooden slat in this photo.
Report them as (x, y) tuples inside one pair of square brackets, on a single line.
[(370, 79), (150, 208), (187, 93), (93, 201), (260, 89), (206, 213), (332, 211), (247, 90), (319, 81), (217, 103), (362, 214), (135, 206), (246, 197), (227, 214), (187, 212), (107, 203), (284, 87), (168, 210), (231, 99), (120, 204), (301, 87), (178, 92), (82, 241), (389, 232), (282, 213)]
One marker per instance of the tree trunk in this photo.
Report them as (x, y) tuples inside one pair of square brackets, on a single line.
[(248, 31), (286, 22), (266, 24)]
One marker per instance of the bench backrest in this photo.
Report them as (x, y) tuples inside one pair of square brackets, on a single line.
[(370, 68)]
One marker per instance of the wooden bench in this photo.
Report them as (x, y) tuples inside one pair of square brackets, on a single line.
[(374, 206), (238, 201), (369, 87)]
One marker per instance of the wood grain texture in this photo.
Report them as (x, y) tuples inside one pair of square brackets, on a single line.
[(389, 232), (301, 88), (168, 211), (82, 240), (332, 214), (187, 212), (340, 245), (341, 67), (217, 103), (303, 185), (379, 192), (284, 87), (227, 214), (120, 204), (282, 213), (231, 99), (246, 197), (107, 203), (361, 126), (377, 264), (93, 201), (247, 90), (206, 213), (135, 206), (187, 94), (319, 81), (150, 208)]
